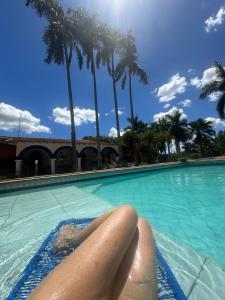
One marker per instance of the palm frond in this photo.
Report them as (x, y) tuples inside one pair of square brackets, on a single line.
[(120, 69), (139, 72), (221, 106), (79, 57), (88, 61), (210, 88), (98, 58), (109, 67), (220, 70), (124, 80), (55, 45)]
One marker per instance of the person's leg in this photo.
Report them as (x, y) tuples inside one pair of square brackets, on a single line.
[(136, 278), (70, 235), (89, 272)]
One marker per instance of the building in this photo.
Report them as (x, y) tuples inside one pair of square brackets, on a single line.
[(39, 156)]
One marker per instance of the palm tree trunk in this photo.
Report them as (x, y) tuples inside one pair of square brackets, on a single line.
[(99, 161), (116, 110), (132, 118), (177, 145), (131, 98), (73, 130), (168, 148)]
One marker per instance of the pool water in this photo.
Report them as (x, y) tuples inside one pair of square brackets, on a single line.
[(186, 203), (186, 207)]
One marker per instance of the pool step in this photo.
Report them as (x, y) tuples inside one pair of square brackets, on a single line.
[(199, 276)]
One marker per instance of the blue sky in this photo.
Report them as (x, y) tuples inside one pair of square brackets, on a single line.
[(175, 46)]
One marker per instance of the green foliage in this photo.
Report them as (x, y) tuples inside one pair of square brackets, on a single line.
[(204, 135), (195, 156), (216, 86)]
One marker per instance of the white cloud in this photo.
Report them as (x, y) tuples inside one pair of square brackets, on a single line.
[(170, 112), (120, 112), (209, 75), (113, 132), (12, 118), (216, 121), (175, 85), (61, 115), (185, 103), (167, 105), (215, 96), (214, 21), (191, 71)]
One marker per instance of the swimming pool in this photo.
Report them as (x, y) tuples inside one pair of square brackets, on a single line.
[(186, 203), (185, 206)]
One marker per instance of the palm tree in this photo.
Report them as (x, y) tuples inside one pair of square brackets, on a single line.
[(203, 134), (217, 86), (137, 125), (163, 125), (90, 32), (128, 67), (110, 40), (61, 38), (136, 128), (178, 129)]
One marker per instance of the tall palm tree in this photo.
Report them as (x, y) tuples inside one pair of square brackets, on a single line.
[(129, 67), (61, 37), (178, 129), (90, 32), (217, 86), (110, 40), (203, 133)]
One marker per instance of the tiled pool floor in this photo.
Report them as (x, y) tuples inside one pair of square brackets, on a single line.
[(27, 217)]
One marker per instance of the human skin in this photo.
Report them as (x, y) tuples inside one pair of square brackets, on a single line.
[(115, 261)]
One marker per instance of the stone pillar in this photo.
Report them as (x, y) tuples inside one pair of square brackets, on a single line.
[(18, 167), (53, 165), (79, 159)]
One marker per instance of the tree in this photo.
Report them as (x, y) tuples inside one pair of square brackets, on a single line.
[(90, 30), (178, 129), (61, 38), (217, 86), (136, 128), (203, 133), (163, 125), (220, 143), (110, 40), (128, 67)]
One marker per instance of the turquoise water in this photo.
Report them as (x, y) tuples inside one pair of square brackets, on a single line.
[(187, 203)]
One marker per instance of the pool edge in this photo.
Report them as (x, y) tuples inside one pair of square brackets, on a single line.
[(59, 179)]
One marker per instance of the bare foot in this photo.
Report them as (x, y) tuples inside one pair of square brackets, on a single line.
[(69, 235)]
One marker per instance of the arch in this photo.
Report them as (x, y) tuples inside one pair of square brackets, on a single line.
[(36, 160), (34, 147), (109, 156), (109, 149), (88, 148), (89, 158), (63, 148), (63, 156)]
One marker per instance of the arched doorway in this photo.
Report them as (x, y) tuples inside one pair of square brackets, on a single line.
[(89, 158), (109, 157), (63, 156), (36, 161)]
